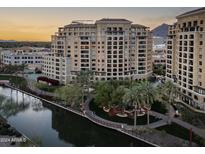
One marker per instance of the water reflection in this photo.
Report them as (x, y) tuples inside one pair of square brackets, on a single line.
[(54, 126), (10, 107), (81, 132)]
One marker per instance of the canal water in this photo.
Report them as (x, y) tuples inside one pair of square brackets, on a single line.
[(48, 125)]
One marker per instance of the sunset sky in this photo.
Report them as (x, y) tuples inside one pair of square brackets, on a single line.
[(38, 24)]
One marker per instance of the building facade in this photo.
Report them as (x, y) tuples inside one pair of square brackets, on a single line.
[(111, 48), (186, 57), (33, 57), (159, 55)]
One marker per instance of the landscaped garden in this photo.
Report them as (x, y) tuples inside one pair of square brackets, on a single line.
[(181, 132), (141, 120), (119, 101)]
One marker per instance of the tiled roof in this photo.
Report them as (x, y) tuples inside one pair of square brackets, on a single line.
[(139, 26), (79, 25), (192, 12), (113, 20)]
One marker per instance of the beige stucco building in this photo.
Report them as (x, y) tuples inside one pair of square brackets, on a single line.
[(112, 48), (186, 57)]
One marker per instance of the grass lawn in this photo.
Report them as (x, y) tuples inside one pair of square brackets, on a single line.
[(142, 120), (181, 132), (17, 81), (159, 107), (194, 118), (46, 87)]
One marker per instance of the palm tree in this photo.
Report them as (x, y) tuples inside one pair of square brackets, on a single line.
[(148, 95), (117, 96), (133, 96), (84, 80), (168, 93)]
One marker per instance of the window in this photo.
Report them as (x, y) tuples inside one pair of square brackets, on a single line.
[(184, 24), (200, 63), (195, 23), (191, 36)]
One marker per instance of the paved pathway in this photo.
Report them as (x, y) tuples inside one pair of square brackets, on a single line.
[(165, 118), (127, 129), (143, 132), (157, 124), (198, 131)]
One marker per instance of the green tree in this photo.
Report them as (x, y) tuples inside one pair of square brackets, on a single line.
[(117, 96), (109, 94), (133, 96), (148, 95), (168, 93), (71, 94), (103, 96), (84, 80)]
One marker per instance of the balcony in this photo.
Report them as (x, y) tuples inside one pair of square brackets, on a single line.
[(199, 90)]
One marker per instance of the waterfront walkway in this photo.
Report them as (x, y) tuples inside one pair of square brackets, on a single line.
[(200, 132), (143, 132), (165, 119), (124, 127)]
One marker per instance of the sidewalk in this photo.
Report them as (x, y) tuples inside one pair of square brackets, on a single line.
[(127, 129), (198, 131)]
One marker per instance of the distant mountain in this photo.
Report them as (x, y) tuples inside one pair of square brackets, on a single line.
[(160, 31)]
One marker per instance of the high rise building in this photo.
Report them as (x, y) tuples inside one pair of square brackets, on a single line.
[(111, 48), (186, 57)]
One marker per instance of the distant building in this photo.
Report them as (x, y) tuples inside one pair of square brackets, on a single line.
[(159, 40), (111, 48), (159, 51), (186, 57), (31, 56), (159, 54)]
